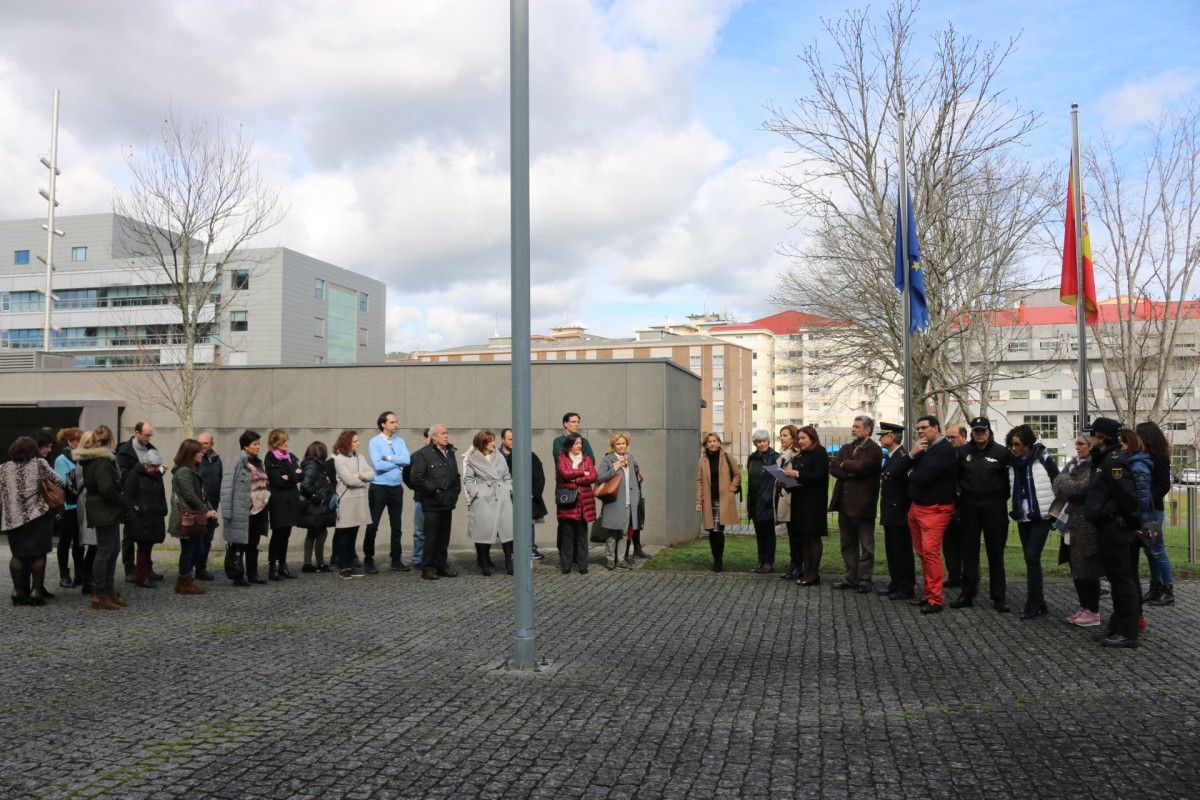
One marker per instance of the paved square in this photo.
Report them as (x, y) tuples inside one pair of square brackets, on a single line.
[(665, 685)]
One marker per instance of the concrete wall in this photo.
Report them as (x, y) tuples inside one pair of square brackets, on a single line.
[(656, 401)]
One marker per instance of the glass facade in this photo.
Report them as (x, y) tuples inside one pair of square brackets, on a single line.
[(110, 336), (342, 326)]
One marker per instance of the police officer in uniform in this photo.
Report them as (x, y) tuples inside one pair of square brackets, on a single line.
[(983, 495), (1112, 506), (893, 513)]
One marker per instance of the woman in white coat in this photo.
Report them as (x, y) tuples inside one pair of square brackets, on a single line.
[(354, 475), (488, 485)]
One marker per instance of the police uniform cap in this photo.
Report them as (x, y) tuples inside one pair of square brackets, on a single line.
[(981, 424), (889, 427)]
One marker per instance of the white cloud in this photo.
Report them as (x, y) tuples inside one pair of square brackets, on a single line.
[(1143, 101)]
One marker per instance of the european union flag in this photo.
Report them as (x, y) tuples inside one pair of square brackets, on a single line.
[(916, 280)]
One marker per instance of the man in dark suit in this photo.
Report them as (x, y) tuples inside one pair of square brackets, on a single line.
[(893, 513)]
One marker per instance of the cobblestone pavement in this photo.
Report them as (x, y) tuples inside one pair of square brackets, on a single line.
[(660, 686)]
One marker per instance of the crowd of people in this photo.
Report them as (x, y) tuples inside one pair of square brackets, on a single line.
[(937, 501)]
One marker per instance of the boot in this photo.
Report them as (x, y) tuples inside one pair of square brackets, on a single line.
[(272, 573), (65, 580), (85, 587), (283, 570), (1156, 591), (115, 597), (482, 560), (1165, 598), (102, 600), (186, 584), (508, 567)]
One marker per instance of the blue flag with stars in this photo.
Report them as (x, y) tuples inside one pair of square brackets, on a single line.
[(916, 280)]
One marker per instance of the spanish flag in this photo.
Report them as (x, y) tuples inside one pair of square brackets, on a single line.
[(1069, 289)]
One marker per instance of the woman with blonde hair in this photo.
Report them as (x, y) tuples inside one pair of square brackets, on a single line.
[(783, 503), (718, 484), (105, 507), (619, 511), (488, 486)]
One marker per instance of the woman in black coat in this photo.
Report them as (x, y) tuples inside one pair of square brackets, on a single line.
[(283, 476), (318, 483), (146, 522), (760, 500), (810, 501)]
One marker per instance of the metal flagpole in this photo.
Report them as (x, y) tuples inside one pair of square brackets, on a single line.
[(524, 653), (51, 201), (1080, 304), (903, 235)]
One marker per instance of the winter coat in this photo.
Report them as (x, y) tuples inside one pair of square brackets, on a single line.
[(435, 477), (729, 481), (983, 474), (581, 478), (1160, 482), (857, 468), (212, 473), (354, 476), (1143, 476), (235, 500), (811, 492), (893, 489), (1070, 489), (21, 492), (105, 504), (620, 513), (1040, 467), (146, 520), (1111, 495), (538, 480), (128, 455), (285, 496), (760, 488), (933, 478), (783, 498), (317, 487), (488, 487), (187, 492)]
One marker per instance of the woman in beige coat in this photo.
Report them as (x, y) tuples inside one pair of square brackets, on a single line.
[(354, 476), (717, 485), (783, 502)]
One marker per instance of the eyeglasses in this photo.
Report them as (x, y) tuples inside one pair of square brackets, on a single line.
[(1081, 444)]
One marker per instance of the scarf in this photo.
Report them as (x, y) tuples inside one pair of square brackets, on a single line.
[(575, 460), (1024, 495), (282, 455)]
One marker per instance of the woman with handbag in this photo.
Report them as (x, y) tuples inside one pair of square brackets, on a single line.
[(244, 497), (317, 513), (619, 490), (575, 474), (146, 524), (190, 511), (104, 506), (283, 473), (488, 485), (354, 477), (30, 492)]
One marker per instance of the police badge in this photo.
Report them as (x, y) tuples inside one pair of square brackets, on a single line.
[(1118, 472)]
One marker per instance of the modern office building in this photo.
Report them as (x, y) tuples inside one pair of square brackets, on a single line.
[(112, 306)]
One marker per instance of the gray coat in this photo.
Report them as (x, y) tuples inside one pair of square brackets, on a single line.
[(620, 513), (235, 501), (353, 508), (488, 486), (1071, 488)]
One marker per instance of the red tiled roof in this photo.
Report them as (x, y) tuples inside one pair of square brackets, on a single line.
[(1110, 311), (781, 323)]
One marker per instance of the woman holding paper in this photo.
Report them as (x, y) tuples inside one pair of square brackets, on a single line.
[(783, 501), (810, 499), (760, 500)]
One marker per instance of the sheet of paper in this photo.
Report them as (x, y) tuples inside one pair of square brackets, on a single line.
[(777, 473)]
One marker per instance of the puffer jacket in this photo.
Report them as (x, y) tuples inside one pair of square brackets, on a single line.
[(1142, 467), (1043, 470), (105, 503)]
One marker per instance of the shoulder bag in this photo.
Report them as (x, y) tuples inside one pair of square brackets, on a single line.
[(52, 493), (607, 491), (566, 496), (192, 523)]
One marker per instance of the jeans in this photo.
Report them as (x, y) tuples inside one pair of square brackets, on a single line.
[(858, 548), (204, 546), (67, 528), (1156, 557), (418, 550), (1033, 541), (992, 521), (343, 547), (927, 526), (108, 547), (379, 498), (188, 547)]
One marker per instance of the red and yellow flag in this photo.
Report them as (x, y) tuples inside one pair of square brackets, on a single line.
[(1069, 288)]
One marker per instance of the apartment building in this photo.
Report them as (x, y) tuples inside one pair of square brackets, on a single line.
[(111, 307)]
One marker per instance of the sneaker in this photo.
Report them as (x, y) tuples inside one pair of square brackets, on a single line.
[(1071, 619), (369, 567), (537, 554), (400, 566), (323, 568), (1085, 619), (1141, 623), (308, 568), (349, 573), (625, 564)]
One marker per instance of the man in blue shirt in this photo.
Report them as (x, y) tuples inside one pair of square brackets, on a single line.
[(389, 457)]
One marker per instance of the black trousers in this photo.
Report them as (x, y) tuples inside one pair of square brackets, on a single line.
[(992, 521), (1116, 547), (795, 547), (437, 538), (898, 543), (952, 550), (392, 498), (764, 532), (277, 546), (1088, 590)]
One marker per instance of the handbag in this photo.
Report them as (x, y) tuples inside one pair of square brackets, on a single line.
[(52, 493), (608, 490), (192, 523), (234, 568), (565, 497)]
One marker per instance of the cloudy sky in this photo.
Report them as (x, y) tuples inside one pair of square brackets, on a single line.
[(386, 125)]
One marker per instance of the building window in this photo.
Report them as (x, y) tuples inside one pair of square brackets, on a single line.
[(21, 257), (1018, 346), (342, 325), (362, 337), (79, 253), (1018, 394), (318, 359), (754, 406), (1179, 392), (239, 321), (240, 279), (319, 289), (1175, 426), (993, 395), (1044, 425), (1050, 394), (754, 355), (1048, 344), (319, 327), (718, 384), (694, 364), (362, 301), (718, 360)]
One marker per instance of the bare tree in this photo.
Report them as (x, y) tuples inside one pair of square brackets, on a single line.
[(196, 201), (975, 201), (1148, 211)]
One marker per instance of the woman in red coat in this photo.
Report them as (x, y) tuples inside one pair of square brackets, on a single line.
[(574, 470)]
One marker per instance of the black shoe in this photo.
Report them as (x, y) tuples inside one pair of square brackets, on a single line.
[(448, 572), (323, 567), (962, 602), (1000, 605), (36, 599), (240, 580), (485, 569), (308, 568), (565, 570), (1166, 598), (864, 588), (42, 591), (1034, 613), (813, 582), (1156, 591), (273, 574), (931, 608), (348, 573), (843, 585), (145, 584), (400, 566), (583, 570), (886, 591), (1117, 640), (66, 583), (369, 567), (21, 600), (791, 575), (155, 576), (284, 572), (1103, 633), (922, 602), (953, 584), (899, 595), (204, 575), (717, 565), (85, 589)]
